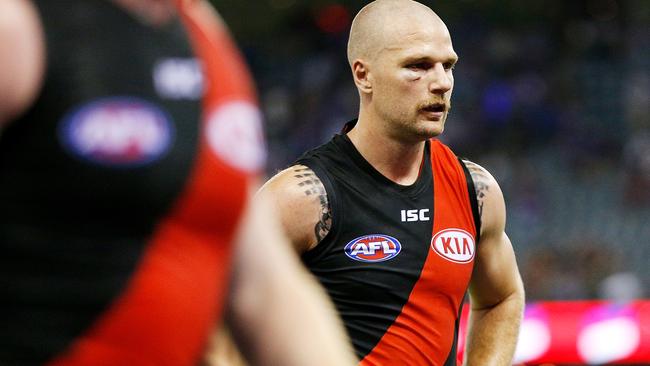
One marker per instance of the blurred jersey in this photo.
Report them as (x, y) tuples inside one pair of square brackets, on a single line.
[(121, 188)]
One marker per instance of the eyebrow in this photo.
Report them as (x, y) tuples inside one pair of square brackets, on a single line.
[(423, 58)]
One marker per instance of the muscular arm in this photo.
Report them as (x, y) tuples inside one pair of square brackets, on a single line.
[(21, 57), (298, 198), (496, 290), (278, 313)]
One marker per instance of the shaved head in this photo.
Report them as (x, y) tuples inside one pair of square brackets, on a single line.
[(381, 23), (402, 59)]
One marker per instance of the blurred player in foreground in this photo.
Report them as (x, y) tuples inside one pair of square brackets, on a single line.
[(129, 149), (392, 223)]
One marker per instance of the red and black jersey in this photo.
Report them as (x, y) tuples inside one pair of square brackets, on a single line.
[(398, 259), (121, 188)]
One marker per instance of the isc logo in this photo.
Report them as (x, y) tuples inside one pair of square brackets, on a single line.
[(373, 248), (455, 245), (178, 78), (415, 215)]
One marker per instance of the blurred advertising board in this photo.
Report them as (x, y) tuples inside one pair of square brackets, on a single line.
[(581, 332)]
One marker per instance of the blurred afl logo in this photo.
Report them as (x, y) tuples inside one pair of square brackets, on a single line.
[(119, 131), (373, 248), (455, 245)]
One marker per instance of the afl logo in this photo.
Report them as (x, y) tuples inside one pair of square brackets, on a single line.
[(455, 245), (119, 131), (373, 248)]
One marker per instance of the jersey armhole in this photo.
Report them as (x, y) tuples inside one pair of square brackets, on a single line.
[(471, 189), (314, 254)]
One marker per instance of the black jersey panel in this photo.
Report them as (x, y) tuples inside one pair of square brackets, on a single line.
[(368, 210), (77, 205)]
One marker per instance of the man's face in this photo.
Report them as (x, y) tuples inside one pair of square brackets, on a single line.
[(413, 80)]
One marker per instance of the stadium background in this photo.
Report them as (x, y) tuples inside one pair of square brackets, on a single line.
[(552, 97)]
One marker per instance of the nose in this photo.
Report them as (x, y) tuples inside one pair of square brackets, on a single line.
[(441, 79)]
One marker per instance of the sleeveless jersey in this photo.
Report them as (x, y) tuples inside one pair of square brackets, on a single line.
[(398, 259), (121, 188)]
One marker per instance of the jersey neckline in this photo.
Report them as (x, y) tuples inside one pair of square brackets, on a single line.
[(423, 181)]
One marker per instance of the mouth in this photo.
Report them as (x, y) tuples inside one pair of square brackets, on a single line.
[(435, 111), (435, 108)]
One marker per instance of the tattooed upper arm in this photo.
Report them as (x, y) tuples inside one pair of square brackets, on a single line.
[(489, 197), (481, 180), (313, 186), (300, 201)]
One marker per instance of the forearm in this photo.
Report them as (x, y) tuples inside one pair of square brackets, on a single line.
[(277, 311), (493, 332), (294, 324)]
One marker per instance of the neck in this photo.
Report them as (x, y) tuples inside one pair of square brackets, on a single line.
[(152, 12), (396, 160)]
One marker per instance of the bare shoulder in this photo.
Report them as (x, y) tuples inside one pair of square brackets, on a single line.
[(300, 200), (22, 57), (489, 196)]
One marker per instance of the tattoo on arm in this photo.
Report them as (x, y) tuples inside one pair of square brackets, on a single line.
[(481, 179), (314, 187)]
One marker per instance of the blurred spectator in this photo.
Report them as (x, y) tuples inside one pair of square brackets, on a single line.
[(572, 271), (621, 287)]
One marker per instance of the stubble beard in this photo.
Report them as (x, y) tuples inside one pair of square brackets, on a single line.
[(414, 129), (411, 126)]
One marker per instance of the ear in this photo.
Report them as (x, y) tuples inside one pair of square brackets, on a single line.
[(361, 75)]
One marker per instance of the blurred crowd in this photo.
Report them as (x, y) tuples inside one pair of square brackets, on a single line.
[(552, 97)]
